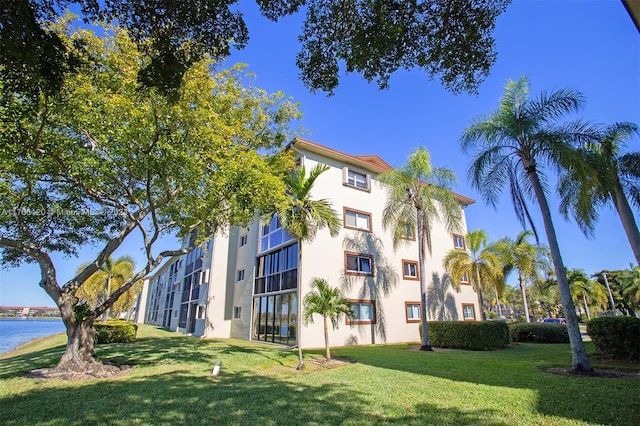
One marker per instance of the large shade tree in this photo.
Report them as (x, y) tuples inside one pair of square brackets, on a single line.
[(606, 174), (448, 39), (481, 265), (511, 146), (104, 159), (418, 198), (327, 302), (303, 216)]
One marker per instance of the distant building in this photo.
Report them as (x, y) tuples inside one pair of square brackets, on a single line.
[(28, 311), (243, 284)]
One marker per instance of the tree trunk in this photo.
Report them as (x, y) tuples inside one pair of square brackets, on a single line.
[(523, 290), (79, 354), (480, 298), (498, 308), (580, 362), (586, 306), (299, 313), (106, 312), (628, 220), (426, 343), (327, 352)]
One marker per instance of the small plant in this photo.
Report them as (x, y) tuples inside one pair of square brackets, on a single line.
[(116, 332)]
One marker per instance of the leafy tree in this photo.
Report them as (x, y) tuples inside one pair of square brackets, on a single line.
[(109, 277), (582, 288), (630, 291), (451, 39), (327, 302), (303, 216), (480, 264), (526, 258), (511, 146), (604, 174), (418, 195), (103, 159)]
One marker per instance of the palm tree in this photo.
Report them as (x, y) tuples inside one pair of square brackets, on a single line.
[(481, 265), (419, 195), (582, 288), (510, 146), (604, 175), (327, 302), (111, 275), (526, 258), (303, 216), (630, 288)]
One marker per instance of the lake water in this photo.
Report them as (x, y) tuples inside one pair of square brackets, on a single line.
[(15, 332)]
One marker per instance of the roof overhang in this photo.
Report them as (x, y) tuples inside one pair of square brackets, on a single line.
[(633, 8)]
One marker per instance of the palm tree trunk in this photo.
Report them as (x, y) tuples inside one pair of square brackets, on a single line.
[(299, 313), (581, 363), (327, 352), (523, 291), (498, 308), (586, 306), (628, 220), (106, 312), (426, 343), (480, 298)]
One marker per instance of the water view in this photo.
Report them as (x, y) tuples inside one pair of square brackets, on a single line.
[(15, 332)]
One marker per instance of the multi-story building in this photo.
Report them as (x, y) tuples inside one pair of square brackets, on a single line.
[(244, 284)]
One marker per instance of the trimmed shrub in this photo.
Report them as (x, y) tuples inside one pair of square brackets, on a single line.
[(537, 332), (115, 332), (472, 335), (616, 337)]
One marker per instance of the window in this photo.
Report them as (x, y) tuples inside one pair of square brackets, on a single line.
[(243, 240), (458, 242), (362, 312), (358, 264), (273, 235), (410, 270), (468, 312), (356, 179), (237, 310), (240, 275), (412, 310), (465, 278), (354, 219), (277, 270), (200, 312), (406, 231)]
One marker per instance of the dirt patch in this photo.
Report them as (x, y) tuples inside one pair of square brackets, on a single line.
[(95, 371), (334, 362)]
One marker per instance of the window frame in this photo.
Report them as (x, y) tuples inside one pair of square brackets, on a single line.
[(465, 280), (406, 225), (406, 312), (348, 271), (357, 212), (240, 275), (409, 277), (237, 312), (243, 240), (455, 242), (473, 309), (374, 312), (345, 179)]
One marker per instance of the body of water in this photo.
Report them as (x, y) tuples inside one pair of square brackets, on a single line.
[(16, 332)]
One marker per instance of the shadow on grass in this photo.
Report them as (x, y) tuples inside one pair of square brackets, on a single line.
[(238, 398), (522, 366)]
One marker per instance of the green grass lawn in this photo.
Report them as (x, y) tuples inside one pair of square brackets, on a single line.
[(258, 385)]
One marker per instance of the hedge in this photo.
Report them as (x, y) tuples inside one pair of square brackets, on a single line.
[(537, 332), (116, 331), (472, 335), (616, 337)]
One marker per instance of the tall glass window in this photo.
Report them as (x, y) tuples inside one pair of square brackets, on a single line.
[(273, 234)]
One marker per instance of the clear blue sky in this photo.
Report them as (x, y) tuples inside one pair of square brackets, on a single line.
[(588, 45)]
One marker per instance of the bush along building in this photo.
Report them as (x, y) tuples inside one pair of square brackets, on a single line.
[(244, 283)]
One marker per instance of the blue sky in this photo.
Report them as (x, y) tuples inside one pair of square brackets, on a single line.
[(588, 45)]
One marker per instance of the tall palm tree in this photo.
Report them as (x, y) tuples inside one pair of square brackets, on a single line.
[(630, 288), (605, 175), (418, 196), (526, 258), (327, 302), (582, 288), (481, 265), (511, 146), (110, 277), (303, 216)]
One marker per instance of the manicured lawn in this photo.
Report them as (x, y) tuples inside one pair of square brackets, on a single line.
[(258, 385)]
